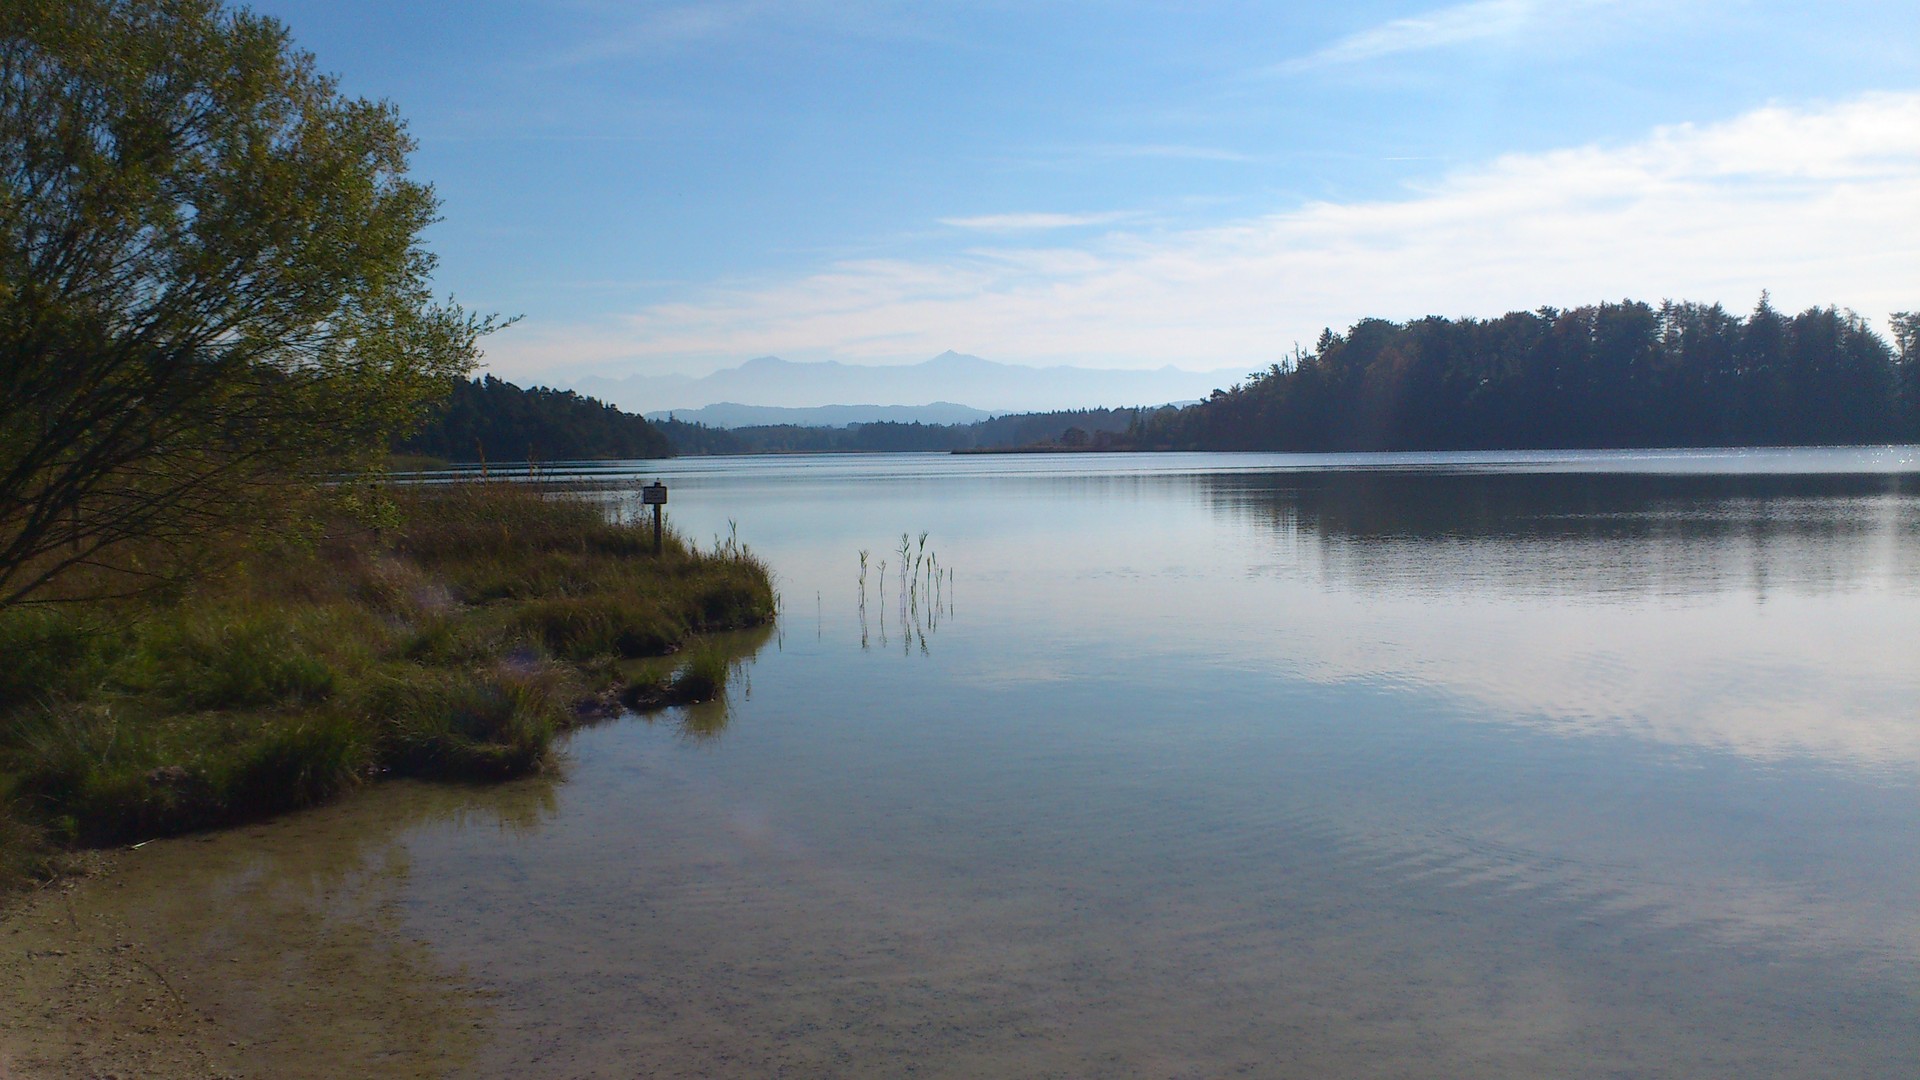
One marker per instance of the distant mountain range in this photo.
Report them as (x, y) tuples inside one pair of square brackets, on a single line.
[(732, 414), (981, 386)]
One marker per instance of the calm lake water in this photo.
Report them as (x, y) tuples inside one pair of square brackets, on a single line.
[(1196, 765)]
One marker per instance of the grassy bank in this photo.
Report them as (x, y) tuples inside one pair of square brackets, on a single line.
[(453, 640)]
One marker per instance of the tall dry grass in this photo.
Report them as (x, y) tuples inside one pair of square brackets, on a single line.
[(447, 631)]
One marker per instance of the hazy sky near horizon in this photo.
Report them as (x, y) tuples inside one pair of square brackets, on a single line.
[(677, 187)]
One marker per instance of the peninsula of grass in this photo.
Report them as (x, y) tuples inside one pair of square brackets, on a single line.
[(454, 641)]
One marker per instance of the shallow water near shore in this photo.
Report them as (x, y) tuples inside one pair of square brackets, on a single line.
[(1195, 765)]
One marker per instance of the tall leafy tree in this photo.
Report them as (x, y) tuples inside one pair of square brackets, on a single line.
[(212, 283)]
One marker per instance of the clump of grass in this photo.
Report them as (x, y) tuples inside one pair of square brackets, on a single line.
[(647, 690), (219, 659), (49, 652), (297, 762), (451, 635), (702, 678), (107, 776), (466, 725), (584, 627)]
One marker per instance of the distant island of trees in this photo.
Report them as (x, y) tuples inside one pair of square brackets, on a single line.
[(1608, 375)]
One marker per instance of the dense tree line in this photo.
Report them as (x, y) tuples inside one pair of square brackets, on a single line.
[(1074, 427), (495, 420), (881, 436), (491, 419), (695, 438), (1608, 375), (1093, 428)]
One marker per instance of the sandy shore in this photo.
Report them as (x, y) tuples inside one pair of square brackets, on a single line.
[(270, 950), (85, 997)]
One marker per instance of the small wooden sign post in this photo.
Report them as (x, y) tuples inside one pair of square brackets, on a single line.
[(654, 495)]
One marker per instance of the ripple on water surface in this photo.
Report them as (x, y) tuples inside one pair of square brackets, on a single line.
[(1497, 766)]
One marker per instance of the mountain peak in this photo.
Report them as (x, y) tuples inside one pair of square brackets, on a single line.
[(771, 382)]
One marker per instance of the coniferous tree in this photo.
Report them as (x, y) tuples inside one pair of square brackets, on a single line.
[(1624, 374), (491, 419)]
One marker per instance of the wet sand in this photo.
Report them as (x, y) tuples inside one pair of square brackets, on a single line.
[(85, 998), (268, 951)]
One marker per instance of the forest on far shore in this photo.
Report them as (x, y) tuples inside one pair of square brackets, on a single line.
[(489, 419), (1091, 429), (1608, 375), (1602, 376)]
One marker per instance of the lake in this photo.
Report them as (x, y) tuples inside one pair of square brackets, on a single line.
[(1186, 765)]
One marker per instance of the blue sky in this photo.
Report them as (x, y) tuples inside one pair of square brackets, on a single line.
[(676, 187)]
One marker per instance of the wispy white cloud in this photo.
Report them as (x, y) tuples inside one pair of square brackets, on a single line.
[(1478, 20), (1030, 222), (1821, 205)]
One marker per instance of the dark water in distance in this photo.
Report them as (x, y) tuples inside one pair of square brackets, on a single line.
[(1577, 764)]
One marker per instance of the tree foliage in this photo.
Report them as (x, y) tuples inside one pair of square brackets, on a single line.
[(1607, 375), (1097, 428), (211, 280), (493, 419)]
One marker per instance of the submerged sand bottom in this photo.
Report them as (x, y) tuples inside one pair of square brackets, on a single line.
[(275, 950), (641, 918), (1209, 770)]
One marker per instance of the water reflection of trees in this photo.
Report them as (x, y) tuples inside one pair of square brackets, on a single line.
[(1586, 533)]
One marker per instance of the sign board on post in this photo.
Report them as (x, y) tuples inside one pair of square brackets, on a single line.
[(654, 495)]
